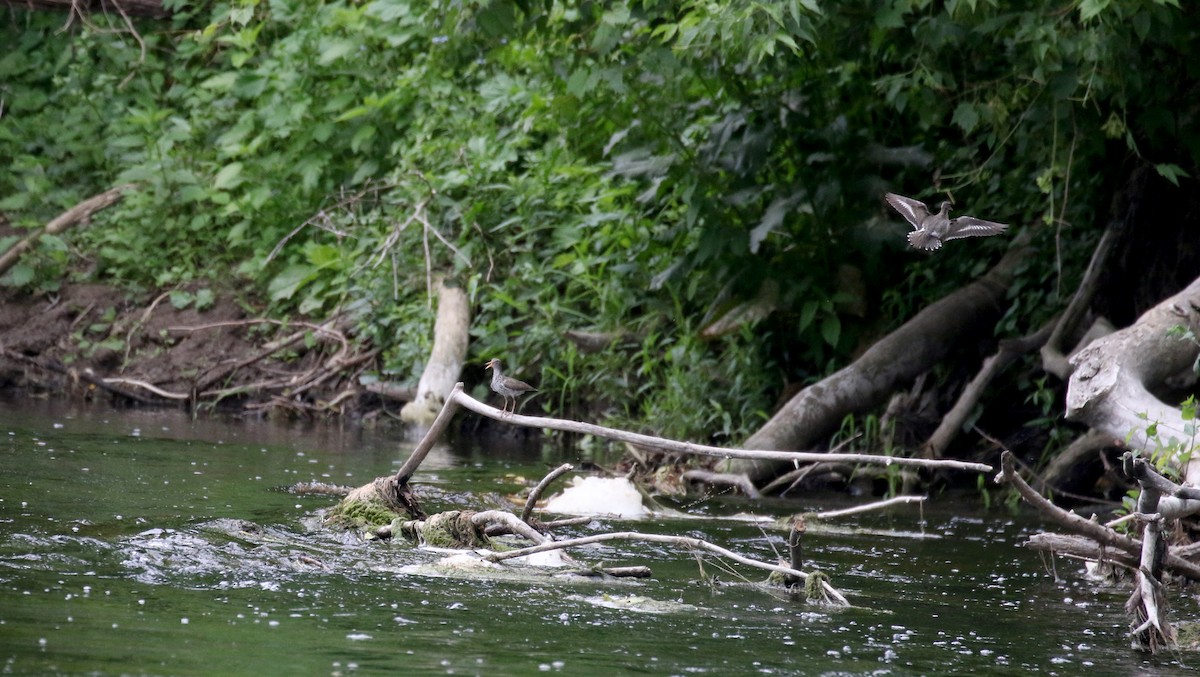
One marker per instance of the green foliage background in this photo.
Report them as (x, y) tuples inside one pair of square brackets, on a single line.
[(645, 166)]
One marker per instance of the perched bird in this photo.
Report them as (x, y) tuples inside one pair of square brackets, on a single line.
[(508, 387), (931, 230)]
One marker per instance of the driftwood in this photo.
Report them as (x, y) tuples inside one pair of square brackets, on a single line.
[(80, 213), (1113, 378), (1102, 534), (450, 340), (395, 494), (1080, 547), (1160, 501), (459, 398), (537, 490), (897, 358), (681, 541)]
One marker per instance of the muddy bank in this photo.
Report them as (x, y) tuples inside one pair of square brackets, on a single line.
[(90, 340)]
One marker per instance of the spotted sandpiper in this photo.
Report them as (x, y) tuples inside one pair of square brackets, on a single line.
[(931, 230), (506, 386)]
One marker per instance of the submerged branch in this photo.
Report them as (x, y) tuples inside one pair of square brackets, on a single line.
[(685, 541), (878, 505)]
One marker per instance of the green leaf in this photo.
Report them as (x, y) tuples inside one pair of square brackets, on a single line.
[(966, 116), (332, 50), (1090, 9), (1171, 172), (357, 111), (831, 329), (322, 255), (285, 285), (15, 202), (204, 298), (223, 81), (181, 299), (807, 313), (241, 15), (229, 176), (19, 275)]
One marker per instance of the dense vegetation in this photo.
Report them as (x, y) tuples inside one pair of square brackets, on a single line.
[(703, 176)]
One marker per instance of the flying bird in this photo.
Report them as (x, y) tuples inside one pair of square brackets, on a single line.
[(930, 230)]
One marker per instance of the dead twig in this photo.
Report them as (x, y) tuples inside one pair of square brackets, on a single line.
[(536, 492), (147, 386), (77, 214)]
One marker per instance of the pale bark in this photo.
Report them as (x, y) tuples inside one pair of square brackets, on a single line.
[(450, 340), (1110, 387), (459, 398), (917, 346)]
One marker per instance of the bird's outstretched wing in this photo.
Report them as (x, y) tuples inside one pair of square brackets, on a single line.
[(969, 226), (914, 211)]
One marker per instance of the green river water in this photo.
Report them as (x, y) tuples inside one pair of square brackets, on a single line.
[(143, 542)]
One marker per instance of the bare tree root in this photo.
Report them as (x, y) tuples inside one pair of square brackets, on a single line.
[(1111, 386), (334, 373), (1079, 450)]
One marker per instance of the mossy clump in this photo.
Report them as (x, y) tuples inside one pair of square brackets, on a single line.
[(361, 509), (814, 587), (453, 529)]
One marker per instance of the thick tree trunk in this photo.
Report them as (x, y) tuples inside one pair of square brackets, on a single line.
[(897, 358), (1113, 378), (450, 339)]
